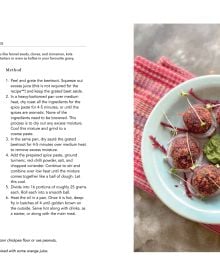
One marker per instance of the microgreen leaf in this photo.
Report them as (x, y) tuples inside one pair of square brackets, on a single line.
[(194, 166), (173, 170), (203, 123), (209, 106), (174, 132), (183, 93)]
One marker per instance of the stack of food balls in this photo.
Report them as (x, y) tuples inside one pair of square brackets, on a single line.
[(185, 152)]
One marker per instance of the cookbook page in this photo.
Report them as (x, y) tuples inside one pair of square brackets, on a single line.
[(65, 179), (43, 143)]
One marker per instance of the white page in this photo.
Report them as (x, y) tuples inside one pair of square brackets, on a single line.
[(99, 243), (86, 242)]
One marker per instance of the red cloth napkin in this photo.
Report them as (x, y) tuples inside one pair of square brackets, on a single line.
[(151, 81)]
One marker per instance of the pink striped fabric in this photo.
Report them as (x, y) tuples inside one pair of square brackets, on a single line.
[(151, 81)]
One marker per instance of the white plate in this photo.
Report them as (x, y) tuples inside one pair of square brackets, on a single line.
[(156, 170)]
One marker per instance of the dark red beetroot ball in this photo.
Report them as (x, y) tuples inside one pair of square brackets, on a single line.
[(206, 179), (180, 154), (217, 112), (193, 123)]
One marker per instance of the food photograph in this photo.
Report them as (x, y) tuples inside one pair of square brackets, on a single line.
[(176, 138)]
